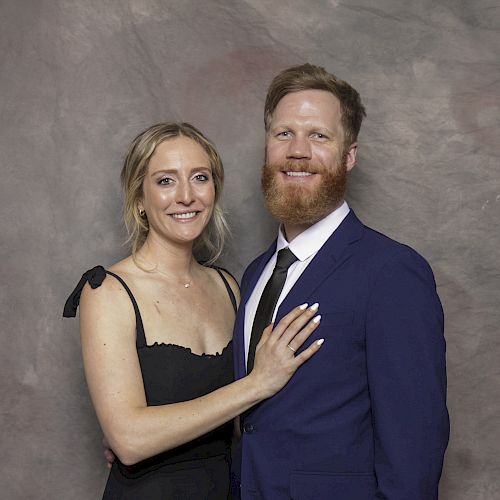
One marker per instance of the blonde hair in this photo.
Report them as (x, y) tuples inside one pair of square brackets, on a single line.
[(311, 77), (209, 245)]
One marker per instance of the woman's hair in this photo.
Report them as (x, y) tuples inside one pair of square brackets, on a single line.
[(208, 246)]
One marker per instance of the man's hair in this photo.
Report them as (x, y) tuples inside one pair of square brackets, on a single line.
[(210, 242), (310, 77)]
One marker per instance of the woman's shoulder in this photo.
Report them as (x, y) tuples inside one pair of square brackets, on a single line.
[(91, 280), (106, 311), (110, 290)]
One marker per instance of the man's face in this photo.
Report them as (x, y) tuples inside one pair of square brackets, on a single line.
[(305, 174)]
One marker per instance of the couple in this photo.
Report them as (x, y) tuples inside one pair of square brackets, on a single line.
[(338, 347)]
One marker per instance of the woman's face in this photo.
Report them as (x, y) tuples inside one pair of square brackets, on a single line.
[(178, 191)]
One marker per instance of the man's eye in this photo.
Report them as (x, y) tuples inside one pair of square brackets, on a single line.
[(319, 135), (285, 133)]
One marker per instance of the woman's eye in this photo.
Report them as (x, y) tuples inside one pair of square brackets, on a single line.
[(201, 177), (165, 181)]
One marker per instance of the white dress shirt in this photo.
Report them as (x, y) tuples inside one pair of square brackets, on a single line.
[(305, 246)]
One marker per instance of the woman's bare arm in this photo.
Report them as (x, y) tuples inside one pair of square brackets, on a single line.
[(136, 431)]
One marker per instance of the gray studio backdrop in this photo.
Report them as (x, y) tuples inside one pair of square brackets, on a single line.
[(78, 80)]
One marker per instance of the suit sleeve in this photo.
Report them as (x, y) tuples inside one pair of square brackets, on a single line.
[(407, 379)]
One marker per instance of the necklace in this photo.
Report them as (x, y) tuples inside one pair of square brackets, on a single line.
[(185, 285)]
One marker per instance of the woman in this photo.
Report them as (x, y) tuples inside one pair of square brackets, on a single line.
[(156, 328)]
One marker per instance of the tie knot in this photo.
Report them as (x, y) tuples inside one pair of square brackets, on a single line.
[(285, 258)]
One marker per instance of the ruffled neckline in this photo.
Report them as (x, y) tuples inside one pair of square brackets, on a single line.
[(187, 350)]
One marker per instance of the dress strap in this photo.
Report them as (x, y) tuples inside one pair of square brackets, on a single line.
[(228, 286), (95, 277), (141, 336)]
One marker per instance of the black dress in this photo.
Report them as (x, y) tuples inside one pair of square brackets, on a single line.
[(171, 374)]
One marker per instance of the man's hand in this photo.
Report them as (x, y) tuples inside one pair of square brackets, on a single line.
[(108, 453)]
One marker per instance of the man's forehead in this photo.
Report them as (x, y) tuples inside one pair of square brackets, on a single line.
[(310, 95), (307, 106)]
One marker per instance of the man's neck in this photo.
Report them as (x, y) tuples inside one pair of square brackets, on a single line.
[(291, 231)]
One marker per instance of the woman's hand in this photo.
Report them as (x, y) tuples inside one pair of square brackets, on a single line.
[(275, 358)]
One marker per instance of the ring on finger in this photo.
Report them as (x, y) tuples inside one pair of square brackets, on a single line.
[(291, 348)]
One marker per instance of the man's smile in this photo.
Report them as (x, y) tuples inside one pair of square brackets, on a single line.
[(298, 174)]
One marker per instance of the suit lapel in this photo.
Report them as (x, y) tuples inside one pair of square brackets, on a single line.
[(332, 255)]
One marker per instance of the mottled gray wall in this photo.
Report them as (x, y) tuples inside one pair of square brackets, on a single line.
[(79, 79)]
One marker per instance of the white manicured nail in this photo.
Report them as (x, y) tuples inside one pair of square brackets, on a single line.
[(303, 307), (314, 307), (320, 341), (317, 318)]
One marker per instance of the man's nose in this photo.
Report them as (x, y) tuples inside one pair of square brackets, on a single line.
[(299, 148)]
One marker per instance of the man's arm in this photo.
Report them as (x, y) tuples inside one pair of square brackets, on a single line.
[(407, 379)]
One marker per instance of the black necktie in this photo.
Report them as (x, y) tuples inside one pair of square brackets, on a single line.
[(268, 300)]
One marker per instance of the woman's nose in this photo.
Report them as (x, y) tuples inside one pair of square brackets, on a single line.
[(184, 194)]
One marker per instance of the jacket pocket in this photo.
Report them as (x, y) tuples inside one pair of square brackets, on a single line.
[(330, 485)]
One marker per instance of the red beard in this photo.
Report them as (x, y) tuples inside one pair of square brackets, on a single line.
[(299, 205)]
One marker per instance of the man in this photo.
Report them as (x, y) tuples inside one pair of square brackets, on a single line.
[(365, 418)]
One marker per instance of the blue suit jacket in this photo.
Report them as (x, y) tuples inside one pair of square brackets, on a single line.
[(366, 417)]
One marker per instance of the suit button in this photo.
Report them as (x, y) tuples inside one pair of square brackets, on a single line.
[(248, 428)]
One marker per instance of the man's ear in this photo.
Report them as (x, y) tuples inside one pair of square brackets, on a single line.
[(351, 156)]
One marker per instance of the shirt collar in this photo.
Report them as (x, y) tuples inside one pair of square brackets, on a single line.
[(313, 238)]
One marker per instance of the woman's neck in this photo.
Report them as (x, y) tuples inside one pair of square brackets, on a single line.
[(167, 258)]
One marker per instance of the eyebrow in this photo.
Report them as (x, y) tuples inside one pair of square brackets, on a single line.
[(175, 170), (321, 130)]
